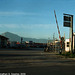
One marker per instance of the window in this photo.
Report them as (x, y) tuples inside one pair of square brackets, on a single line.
[(67, 44)]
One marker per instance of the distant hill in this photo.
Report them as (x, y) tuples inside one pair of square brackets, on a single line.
[(11, 36), (15, 37)]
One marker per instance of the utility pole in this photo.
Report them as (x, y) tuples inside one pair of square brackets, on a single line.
[(21, 41), (54, 41), (71, 34), (64, 41)]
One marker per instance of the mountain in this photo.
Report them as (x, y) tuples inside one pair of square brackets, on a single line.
[(15, 37), (11, 36)]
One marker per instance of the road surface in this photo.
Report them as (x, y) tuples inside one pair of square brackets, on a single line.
[(35, 62)]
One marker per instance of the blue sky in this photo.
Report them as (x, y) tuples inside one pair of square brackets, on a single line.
[(35, 18)]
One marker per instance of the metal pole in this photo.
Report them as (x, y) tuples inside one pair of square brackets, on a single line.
[(70, 39), (53, 41), (72, 36)]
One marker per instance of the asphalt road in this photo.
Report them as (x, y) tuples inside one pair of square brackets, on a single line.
[(35, 62)]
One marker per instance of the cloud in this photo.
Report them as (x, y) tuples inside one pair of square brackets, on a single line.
[(33, 26), (28, 26), (16, 13), (9, 25)]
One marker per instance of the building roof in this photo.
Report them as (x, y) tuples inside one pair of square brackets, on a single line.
[(3, 37)]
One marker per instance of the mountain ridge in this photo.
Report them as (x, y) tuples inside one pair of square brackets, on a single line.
[(15, 37)]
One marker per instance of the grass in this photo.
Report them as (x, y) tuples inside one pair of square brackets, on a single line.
[(68, 54)]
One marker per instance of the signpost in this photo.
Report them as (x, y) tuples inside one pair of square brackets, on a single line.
[(67, 18), (68, 22)]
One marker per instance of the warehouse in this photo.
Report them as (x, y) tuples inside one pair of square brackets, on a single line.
[(3, 41)]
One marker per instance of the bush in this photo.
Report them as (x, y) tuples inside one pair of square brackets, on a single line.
[(68, 54)]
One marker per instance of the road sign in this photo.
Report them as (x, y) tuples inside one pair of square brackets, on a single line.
[(67, 24), (67, 21), (67, 18)]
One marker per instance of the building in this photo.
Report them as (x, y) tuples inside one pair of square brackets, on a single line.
[(57, 45), (68, 44), (3, 41)]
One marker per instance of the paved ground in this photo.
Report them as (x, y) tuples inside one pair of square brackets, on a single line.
[(35, 62)]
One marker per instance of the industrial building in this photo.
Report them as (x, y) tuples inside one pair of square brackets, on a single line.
[(3, 41)]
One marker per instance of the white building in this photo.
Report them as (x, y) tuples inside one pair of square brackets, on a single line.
[(68, 44)]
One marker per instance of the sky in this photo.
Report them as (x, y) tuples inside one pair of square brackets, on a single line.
[(35, 18)]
